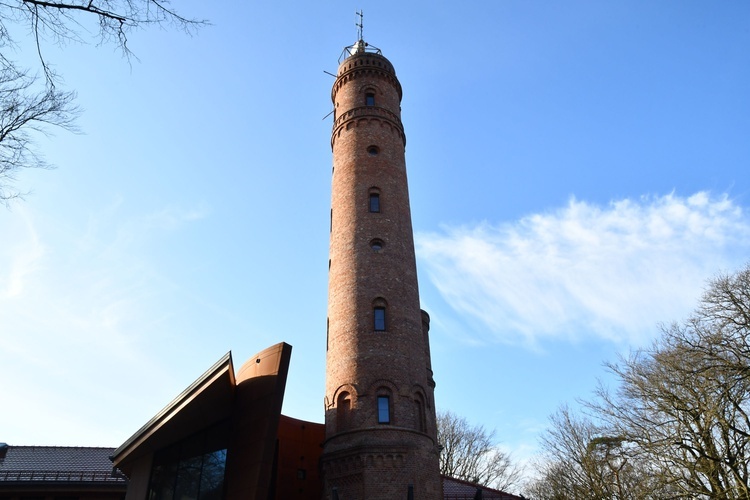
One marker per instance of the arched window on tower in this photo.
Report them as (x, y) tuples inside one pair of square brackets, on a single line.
[(379, 313), (369, 98), (384, 409), (380, 320), (420, 414)]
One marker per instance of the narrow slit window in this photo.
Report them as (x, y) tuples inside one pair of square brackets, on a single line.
[(343, 411), (384, 410), (375, 202), (379, 319), (369, 99), (421, 425)]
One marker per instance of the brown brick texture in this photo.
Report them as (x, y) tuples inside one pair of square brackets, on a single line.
[(364, 458)]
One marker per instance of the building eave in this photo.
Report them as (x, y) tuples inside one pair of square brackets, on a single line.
[(205, 401)]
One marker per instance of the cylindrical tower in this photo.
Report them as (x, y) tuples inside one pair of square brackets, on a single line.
[(380, 409)]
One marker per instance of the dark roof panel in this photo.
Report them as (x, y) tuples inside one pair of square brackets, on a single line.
[(57, 463), (457, 489), (62, 458)]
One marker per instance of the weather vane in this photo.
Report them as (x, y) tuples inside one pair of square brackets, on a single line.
[(360, 24)]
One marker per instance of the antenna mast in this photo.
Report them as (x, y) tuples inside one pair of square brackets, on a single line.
[(359, 25), (361, 46)]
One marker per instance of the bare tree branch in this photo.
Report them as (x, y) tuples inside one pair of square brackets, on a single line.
[(682, 407), (26, 110), (471, 454), (28, 107)]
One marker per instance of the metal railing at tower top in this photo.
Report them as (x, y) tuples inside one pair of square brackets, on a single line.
[(361, 47)]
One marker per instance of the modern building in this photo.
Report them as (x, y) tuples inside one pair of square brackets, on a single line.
[(224, 438), (381, 434)]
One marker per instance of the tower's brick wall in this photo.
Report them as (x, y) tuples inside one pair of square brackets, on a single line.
[(364, 457)]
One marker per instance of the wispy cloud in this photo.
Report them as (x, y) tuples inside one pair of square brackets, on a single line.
[(23, 259), (612, 271), (79, 298)]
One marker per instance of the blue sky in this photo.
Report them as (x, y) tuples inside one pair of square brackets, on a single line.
[(577, 171)]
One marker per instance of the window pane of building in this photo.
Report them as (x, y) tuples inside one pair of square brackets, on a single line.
[(374, 202), (212, 475), (379, 319), (188, 478), (192, 469), (384, 410)]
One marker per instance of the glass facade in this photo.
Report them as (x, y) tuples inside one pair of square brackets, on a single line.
[(193, 469)]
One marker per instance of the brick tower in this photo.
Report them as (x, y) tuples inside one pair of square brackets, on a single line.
[(381, 436)]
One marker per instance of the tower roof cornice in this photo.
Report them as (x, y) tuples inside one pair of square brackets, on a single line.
[(370, 113), (366, 64), (359, 69), (372, 59)]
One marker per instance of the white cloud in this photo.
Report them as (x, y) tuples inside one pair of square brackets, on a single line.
[(612, 272), (23, 257), (79, 300)]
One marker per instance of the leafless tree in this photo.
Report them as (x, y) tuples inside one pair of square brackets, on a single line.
[(470, 453), (29, 105), (25, 110), (583, 460), (677, 424), (685, 402)]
